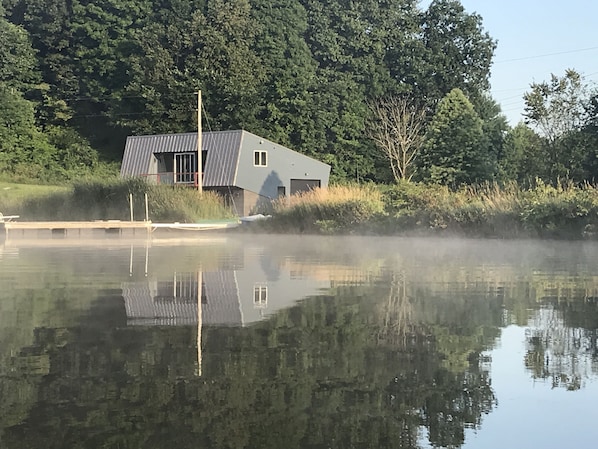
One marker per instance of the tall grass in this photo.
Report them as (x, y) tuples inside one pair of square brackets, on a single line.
[(13, 195), (488, 210), (564, 211), (109, 200), (338, 209)]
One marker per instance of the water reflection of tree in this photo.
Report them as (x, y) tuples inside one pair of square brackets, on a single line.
[(312, 376), (558, 349), (395, 312), (456, 328)]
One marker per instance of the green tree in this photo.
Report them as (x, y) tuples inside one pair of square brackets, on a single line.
[(455, 52), (560, 111), (494, 125), (348, 40), (357, 37), (286, 95), (82, 48), (523, 158), (27, 110), (17, 58), (24, 151), (73, 152), (591, 133), (456, 151), (557, 107), (186, 48)]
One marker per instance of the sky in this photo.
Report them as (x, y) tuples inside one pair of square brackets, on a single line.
[(536, 38)]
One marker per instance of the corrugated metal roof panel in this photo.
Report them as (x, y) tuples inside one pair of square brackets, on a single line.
[(136, 158), (222, 149), (222, 157)]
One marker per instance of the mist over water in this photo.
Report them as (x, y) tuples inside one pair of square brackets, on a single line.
[(295, 341)]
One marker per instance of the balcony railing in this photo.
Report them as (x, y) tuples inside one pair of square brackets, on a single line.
[(172, 178)]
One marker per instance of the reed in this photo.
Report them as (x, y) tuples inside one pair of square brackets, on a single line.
[(488, 210), (14, 195), (109, 200), (493, 210), (337, 209)]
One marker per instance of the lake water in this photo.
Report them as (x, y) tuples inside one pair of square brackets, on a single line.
[(298, 342)]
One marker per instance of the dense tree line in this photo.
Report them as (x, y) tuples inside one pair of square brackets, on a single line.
[(77, 76)]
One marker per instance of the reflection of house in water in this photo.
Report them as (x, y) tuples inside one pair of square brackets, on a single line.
[(174, 301), (228, 297)]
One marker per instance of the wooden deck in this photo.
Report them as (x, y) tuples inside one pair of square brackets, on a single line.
[(107, 227)]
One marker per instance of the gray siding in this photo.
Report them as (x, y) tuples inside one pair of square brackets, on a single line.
[(283, 165)]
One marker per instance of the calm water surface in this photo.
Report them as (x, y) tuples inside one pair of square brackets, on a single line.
[(287, 342)]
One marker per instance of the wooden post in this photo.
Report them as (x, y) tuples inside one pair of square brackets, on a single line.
[(199, 145), (146, 208), (146, 257), (131, 204), (131, 262), (199, 320)]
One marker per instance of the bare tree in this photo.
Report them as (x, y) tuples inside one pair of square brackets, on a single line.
[(396, 313), (397, 128)]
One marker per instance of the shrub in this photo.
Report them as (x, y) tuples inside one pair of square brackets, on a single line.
[(561, 211), (480, 210), (338, 209)]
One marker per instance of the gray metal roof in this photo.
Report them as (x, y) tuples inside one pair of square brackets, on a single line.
[(221, 163)]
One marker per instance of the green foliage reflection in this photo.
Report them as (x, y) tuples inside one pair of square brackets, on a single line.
[(326, 373)]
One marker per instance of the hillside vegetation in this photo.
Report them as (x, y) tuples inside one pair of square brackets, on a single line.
[(384, 92)]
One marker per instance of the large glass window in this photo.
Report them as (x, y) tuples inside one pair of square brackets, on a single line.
[(185, 167)]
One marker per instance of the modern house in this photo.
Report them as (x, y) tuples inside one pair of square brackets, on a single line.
[(247, 170)]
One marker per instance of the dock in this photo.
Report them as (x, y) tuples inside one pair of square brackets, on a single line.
[(74, 228)]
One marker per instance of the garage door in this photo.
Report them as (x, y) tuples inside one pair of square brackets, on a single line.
[(303, 185)]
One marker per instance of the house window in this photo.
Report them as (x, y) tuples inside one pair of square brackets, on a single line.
[(185, 168), (260, 296), (260, 158)]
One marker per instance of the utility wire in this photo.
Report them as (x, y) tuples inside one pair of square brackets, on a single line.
[(525, 58), (122, 114)]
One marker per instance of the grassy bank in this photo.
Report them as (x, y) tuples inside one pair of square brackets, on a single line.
[(13, 195), (338, 209), (565, 211), (95, 200), (407, 209)]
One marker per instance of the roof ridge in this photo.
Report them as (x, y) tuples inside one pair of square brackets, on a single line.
[(188, 133)]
